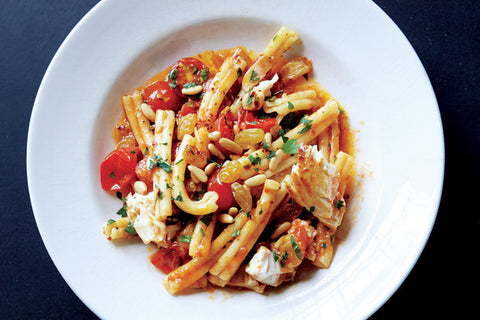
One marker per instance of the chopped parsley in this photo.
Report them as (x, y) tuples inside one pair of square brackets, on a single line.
[(236, 234), (178, 198), (202, 232), (271, 155), (290, 146), (207, 218), (110, 221), (340, 204), (173, 77), (295, 247), (307, 124), (204, 74), (190, 85), (130, 229), (249, 99), (185, 238), (324, 245), (123, 211), (275, 256), (254, 159), (112, 175), (252, 76), (158, 162), (290, 105)]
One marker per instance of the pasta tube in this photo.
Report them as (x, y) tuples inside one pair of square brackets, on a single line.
[(164, 125), (220, 85), (301, 100), (231, 260), (139, 123), (203, 206), (185, 275)]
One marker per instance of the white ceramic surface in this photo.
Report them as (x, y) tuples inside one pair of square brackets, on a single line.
[(359, 55)]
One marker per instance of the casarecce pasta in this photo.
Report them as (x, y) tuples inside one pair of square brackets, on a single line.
[(236, 166)]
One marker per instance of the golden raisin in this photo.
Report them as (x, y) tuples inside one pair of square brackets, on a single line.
[(242, 196), (249, 137), (231, 172)]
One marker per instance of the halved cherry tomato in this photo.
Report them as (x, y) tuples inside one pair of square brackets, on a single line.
[(224, 124), (224, 190), (249, 121), (187, 70), (191, 106), (118, 169), (159, 95), (168, 259)]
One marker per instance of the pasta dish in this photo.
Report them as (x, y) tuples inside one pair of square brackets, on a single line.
[(237, 166)]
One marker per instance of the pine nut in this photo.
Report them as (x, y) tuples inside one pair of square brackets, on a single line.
[(140, 187), (276, 160), (198, 173), (236, 129), (233, 211), (192, 90), (264, 163), (210, 168), (267, 138), (214, 150), (214, 135), (257, 180), (225, 218), (280, 230), (148, 112), (194, 179), (230, 145)]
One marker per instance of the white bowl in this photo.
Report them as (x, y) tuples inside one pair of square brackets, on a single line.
[(359, 55)]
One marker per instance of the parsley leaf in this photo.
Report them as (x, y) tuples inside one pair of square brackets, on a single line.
[(340, 204), (204, 74), (295, 247), (123, 211), (290, 146), (236, 234), (254, 159), (307, 124), (184, 238), (252, 76), (290, 105), (130, 228), (275, 256)]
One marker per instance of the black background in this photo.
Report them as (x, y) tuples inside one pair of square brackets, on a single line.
[(444, 282)]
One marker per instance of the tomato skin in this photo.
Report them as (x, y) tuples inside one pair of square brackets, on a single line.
[(159, 95), (186, 70), (170, 258), (224, 124), (249, 121), (224, 190), (188, 107), (118, 169)]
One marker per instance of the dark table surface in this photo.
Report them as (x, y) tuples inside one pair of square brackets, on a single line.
[(444, 282)]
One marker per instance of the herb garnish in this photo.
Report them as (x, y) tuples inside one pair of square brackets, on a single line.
[(307, 124), (290, 146), (295, 247)]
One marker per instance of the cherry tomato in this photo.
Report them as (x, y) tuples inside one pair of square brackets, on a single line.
[(224, 190), (118, 169), (187, 70), (159, 95), (224, 124), (191, 106), (168, 259), (249, 121)]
